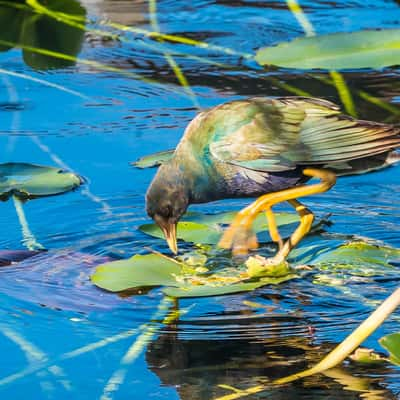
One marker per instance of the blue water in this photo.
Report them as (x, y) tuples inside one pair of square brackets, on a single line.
[(49, 308)]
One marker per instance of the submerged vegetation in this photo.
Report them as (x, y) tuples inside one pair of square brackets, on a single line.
[(50, 35)]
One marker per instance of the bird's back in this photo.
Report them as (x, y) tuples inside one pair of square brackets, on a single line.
[(253, 146)]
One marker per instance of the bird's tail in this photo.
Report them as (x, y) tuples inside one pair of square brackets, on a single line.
[(367, 164)]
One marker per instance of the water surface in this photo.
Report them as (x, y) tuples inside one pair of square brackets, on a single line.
[(108, 118)]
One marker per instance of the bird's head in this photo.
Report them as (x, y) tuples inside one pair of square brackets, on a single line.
[(167, 200)]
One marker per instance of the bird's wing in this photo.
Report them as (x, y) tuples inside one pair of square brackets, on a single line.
[(273, 135), (338, 138)]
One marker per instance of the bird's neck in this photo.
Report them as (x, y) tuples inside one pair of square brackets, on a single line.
[(198, 173)]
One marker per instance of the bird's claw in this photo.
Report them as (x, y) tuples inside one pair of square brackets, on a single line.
[(239, 239)]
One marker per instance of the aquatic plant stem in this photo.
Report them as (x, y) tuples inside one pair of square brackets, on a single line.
[(170, 60), (336, 356), (339, 353), (29, 239), (337, 78)]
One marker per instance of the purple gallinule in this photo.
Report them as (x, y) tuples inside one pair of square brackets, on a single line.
[(266, 148)]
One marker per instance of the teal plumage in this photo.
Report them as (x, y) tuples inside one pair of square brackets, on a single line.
[(250, 147)]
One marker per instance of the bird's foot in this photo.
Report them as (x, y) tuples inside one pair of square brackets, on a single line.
[(240, 239)]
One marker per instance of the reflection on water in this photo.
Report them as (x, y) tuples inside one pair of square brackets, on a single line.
[(122, 101), (24, 28), (204, 369)]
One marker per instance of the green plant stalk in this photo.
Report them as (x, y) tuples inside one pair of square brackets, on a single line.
[(170, 60), (70, 19), (344, 349), (337, 78), (29, 239), (336, 356), (292, 4), (90, 63)]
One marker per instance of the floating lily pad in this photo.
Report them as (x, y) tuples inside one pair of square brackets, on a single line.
[(367, 357), (208, 290), (360, 258), (208, 229), (153, 160), (181, 280), (30, 181), (348, 50), (137, 271), (391, 343)]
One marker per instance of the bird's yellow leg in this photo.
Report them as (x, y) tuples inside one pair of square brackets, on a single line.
[(239, 235), (306, 220), (273, 228)]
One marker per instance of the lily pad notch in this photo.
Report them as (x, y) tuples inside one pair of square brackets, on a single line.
[(23, 181)]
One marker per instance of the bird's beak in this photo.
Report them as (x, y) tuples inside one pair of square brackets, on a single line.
[(169, 230)]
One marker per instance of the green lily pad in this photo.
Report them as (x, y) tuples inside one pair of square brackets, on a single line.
[(391, 343), (179, 280), (207, 290), (366, 357), (208, 229), (137, 271), (29, 181), (182, 280), (363, 259), (188, 231), (153, 160), (348, 50)]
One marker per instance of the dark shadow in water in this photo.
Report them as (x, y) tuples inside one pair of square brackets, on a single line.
[(20, 26), (196, 368)]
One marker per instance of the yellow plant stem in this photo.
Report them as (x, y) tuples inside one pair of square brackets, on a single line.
[(78, 23), (90, 63), (344, 93), (352, 341), (337, 355), (338, 80), (170, 60), (365, 96), (302, 19)]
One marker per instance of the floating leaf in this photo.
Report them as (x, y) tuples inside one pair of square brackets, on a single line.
[(29, 180), (348, 50), (153, 160), (366, 356), (188, 231), (137, 271), (180, 281), (360, 256), (208, 290), (207, 229), (391, 343)]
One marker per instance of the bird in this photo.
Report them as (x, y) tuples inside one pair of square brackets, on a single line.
[(266, 148)]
